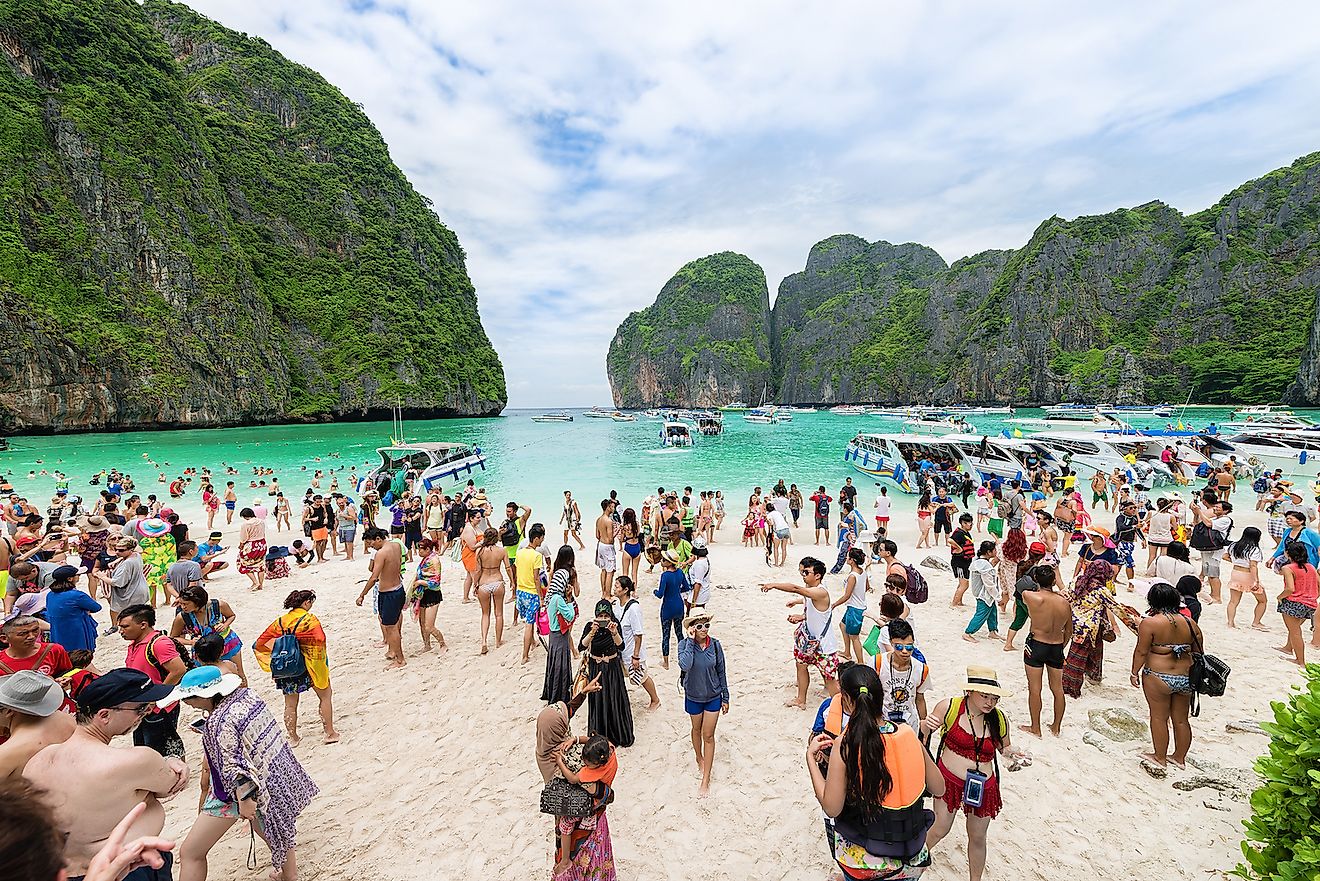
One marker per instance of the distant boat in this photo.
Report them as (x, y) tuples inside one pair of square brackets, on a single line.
[(559, 416), (848, 410), (1261, 410), (763, 416), (677, 434), (599, 413), (938, 427), (710, 424), (735, 407), (622, 417)]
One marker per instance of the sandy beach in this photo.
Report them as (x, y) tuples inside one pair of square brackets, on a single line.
[(436, 777)]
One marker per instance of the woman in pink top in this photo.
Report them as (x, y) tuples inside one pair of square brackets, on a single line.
[(1297, 601)]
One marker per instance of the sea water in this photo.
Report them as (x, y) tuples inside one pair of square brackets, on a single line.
[(526, 461)]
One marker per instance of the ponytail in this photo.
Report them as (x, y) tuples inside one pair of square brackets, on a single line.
[(862, 747)]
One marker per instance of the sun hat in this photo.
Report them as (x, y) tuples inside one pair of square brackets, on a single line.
[(153, 527), (96, 523), (30, 692), (165, 512), (984, 680), (698, 542), (205, 681), (118, 686), (670, 557), (696, 617)]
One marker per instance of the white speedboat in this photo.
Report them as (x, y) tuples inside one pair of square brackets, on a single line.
[(762, 416), (1009, 458), (735, 407), (622, 417), (654, 414), (677, 434), (1294, 451), (798, 409), (1088, 452), (433, 464), (936, 427), (599, 413), (1260, 410), (710, 424), (894, 458), (1274, 421), (559, 416), (848, 410)]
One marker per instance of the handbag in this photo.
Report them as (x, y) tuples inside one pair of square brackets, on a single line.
[(543, 622), (804, 643), (1208, 675), (564, 799)]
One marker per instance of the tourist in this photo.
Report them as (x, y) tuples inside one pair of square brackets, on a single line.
[(583, 848), (1161, 664), (529, 561), (1099, 547), (870, 778), (434, 517), (251, 774), (553, 731), (1213, 517), (425, 594), (780, 533), (672, 592), (30, 717), (26, 650), (157, 655), (124, 581), (252, 548), (962, 551), (93, 542), (1296, 530), (606, 558), (1127, 532), (853, 600), (705, 684), (815, 642), (571, 518), (1021, 581), (925, 510), (984, 584), (198, 614), (609, 712), (1093, 626), (1159, 532), (346, 520), (883, 507), (283, 514), (1048, 535), (851, 525), (70, 611), (904, 675), (108, 707), (1297, 602), (630, 542), (386, 575), (822, 500), (470, 539), (1099, 490), (944, 509), (412, 525), (1245, 557), (561, 612), (306, 629), (628, 610), (157, 549), (1051, 630)]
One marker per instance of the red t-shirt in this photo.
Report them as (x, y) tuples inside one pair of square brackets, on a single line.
[(54, 661), (162, 651)]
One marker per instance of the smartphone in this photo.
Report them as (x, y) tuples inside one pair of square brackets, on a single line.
[(974, 789), (198, 724)]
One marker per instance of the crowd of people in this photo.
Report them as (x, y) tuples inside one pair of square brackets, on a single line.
[(870, 757)]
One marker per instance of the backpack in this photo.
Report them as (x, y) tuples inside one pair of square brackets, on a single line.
[(822, 508), (286, 657), (917, 590), (1259, 485), (184, 655), (1206, 539), (509, 533)]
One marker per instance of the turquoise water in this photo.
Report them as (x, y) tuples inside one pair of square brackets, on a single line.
[(527, 461)]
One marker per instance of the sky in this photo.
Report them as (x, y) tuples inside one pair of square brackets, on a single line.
[(584, 151)]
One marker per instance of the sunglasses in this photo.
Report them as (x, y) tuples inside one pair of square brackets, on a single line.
[(902, 647), (139, 709), (701, 627)]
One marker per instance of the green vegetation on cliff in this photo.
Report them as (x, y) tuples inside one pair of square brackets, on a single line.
[(219, 228)]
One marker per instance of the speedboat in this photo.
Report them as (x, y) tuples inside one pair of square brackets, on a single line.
[(1286, 421), (798, 409), (1260, 410), (1070, 407), (735, 407), (938, 426), (1088, 452), (654, 414), (677, 434), (433, 464), (559, 416), (710, 424), (1009, 458), (848, 410), (1293, 451), (895, 458), (599, 413), (618, 416), (763, 416)]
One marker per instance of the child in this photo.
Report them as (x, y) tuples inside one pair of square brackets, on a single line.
[(209, 650), (82, 673), (301, 553), (749, 529), (600, 764)]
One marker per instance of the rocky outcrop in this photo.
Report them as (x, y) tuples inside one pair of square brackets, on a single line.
[(1141, 304), (195, 231), (704, 342)]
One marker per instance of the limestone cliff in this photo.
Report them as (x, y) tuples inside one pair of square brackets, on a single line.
[(196, 231), (1139, 304), (704, 342)]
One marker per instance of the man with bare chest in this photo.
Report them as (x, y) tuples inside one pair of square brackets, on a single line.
[(387, 577), (606, 558), (1051, 630), (91, 785)]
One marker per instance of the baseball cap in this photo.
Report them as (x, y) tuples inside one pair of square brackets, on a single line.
[(120, 686), (1037, 547)]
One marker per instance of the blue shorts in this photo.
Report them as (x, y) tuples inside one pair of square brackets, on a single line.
[(230, 505), (852, 621), (389, 605), (696, 708), (1125, 549), (528, 605)]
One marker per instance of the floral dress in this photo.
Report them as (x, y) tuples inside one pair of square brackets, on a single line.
[(158, 554)]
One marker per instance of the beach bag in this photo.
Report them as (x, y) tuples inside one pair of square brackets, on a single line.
[(872, 641), (564, 799), (1206, 539), (918, 591), (286, 657), (804, 643), (822, 508), (1259, 485), (543, 622), (1208, 676), (509, 533)]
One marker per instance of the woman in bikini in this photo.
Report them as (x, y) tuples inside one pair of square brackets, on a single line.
[(974, 731), (491, 560), (1161, 663), (631, 533), (925, 519)]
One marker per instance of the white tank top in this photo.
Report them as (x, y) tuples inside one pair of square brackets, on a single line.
[(857, 599), (822, 626)]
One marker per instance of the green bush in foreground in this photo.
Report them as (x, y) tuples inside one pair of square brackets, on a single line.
[(1283, 832)]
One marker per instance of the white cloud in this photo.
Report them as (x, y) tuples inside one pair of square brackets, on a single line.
[(588, 150)]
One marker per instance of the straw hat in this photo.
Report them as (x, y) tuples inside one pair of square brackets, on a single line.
[(697, 617), (96, 523), (983, 680)]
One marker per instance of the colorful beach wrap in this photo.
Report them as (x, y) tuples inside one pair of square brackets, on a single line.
[(252, 556), (158, 554), (311, 639), (593, 857)]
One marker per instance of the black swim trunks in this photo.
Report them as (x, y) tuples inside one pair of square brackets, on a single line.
[(390, 604), (1043, 654)]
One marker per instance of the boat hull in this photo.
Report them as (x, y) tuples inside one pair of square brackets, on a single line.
[(884, 468)]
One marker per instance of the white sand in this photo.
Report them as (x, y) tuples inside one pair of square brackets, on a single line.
[(435, 777)]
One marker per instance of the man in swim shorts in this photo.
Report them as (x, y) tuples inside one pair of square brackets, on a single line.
[(528, 580), (1051, 630), (231, 502), (606, 558), (387, 575)]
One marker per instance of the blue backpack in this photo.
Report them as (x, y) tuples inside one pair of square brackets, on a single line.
[(286, 657)]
